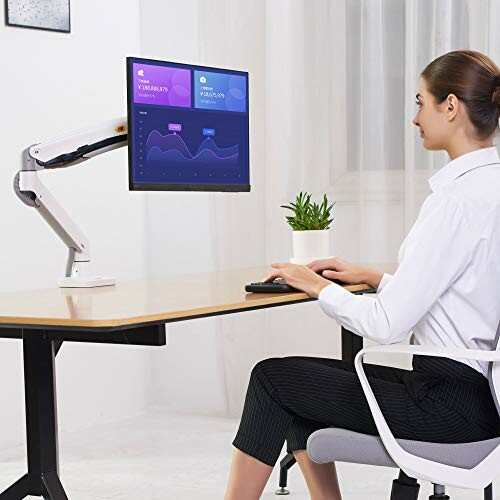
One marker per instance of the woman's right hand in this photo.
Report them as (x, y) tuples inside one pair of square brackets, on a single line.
[(339, 269)]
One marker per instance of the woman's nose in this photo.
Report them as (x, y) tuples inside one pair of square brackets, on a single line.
[(415, 122)]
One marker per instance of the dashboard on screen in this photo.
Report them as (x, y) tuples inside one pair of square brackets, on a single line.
[(187, 127)]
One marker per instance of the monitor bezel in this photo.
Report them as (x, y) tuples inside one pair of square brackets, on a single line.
[(144, 186)]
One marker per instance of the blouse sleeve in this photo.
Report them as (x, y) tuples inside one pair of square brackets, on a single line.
[(385, 279), (442, 245)]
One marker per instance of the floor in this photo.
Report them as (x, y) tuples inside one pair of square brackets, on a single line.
[(162, 456)]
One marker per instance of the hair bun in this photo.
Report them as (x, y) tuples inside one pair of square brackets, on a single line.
[(496, 92)]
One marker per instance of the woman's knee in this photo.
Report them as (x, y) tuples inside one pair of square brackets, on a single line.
[(267, 377), (264, 367)]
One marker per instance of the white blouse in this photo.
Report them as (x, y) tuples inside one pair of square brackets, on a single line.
[(447, 285)]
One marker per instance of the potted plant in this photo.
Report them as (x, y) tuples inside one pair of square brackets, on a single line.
[(310, 223)]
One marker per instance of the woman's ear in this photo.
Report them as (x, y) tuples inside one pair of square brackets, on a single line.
[(452, 105)]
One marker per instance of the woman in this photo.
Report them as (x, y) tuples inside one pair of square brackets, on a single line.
[(445, 290)]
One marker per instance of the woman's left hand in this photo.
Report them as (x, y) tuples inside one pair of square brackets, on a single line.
[(300, 277)]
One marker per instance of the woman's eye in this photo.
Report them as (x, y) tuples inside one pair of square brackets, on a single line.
[(418, 103)]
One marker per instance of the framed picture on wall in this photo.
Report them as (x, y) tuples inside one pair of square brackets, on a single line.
[(53, 15)]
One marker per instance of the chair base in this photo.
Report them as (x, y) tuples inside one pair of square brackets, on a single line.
[(488, 492), (401, 491), (285, 464), (439, 493), (282, 491), (404, 488)]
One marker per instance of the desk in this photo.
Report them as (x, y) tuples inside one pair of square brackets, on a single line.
[(133, 313)]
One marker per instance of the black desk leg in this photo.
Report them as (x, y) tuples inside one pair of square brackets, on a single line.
[(42, 478), (351, 345)]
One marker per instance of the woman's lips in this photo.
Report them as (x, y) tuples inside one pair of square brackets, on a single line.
[(421, 133)]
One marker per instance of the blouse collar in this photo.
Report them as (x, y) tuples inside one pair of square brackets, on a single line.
[(462, 164)]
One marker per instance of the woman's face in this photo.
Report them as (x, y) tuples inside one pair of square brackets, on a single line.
[(431, 119)]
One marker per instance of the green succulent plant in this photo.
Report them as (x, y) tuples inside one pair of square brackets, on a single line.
[(309, 216)]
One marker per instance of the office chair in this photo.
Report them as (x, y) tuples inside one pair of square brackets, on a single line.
[(465, 465)]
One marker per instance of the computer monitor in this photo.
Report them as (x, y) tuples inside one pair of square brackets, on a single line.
[(187, 127)]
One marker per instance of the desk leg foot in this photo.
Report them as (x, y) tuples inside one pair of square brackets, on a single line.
[(47, 485), (19, 490), (53, 487)]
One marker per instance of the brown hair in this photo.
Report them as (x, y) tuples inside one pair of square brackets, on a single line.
[(475, 79)]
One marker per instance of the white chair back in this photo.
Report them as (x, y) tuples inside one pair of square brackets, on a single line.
[(494, 373)]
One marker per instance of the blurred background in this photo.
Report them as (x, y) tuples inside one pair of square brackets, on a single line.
[(332, 96)]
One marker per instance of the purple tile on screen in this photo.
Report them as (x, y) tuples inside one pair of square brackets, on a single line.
[(162, 85)]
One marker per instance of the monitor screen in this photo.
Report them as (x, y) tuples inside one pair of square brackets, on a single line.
[(187, 127)]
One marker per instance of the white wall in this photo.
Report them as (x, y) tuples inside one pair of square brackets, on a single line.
[(51, 83)]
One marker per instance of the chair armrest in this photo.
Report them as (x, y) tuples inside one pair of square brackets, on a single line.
[(414, 466), (421, 350)]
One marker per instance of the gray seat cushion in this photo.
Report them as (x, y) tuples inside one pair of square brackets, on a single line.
[(333, 444)]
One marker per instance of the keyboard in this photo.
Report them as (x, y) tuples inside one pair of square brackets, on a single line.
[(278, 285)]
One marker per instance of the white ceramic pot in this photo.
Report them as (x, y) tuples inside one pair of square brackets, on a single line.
[(310, 245)]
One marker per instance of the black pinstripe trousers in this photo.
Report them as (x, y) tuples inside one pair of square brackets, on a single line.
[(439, 400)]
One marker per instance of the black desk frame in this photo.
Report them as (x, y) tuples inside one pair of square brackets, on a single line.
[(40, 348)]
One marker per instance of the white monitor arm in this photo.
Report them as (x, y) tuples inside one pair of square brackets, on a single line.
[(66, 151)]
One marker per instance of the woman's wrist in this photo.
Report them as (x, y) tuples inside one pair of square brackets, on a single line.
[(373, 278), (319, 286)]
